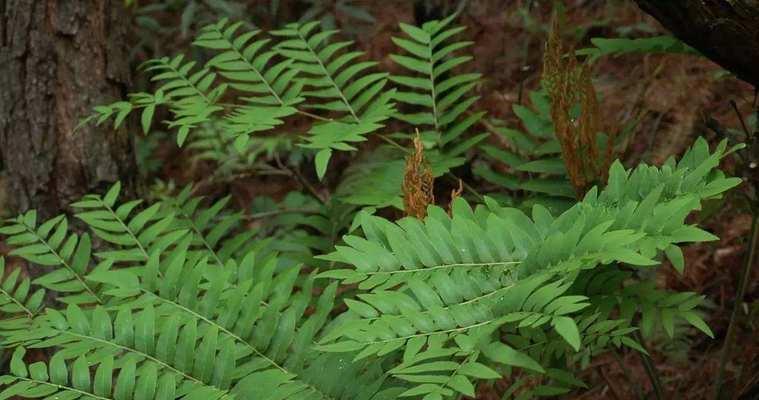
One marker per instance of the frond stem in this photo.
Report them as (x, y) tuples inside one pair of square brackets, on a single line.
[(135, 351), (444, 266), (66, 388), (126, 229), (28, 312), (65, 264), (329, 77)]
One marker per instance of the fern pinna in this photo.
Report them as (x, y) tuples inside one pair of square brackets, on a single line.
[(180, 302)]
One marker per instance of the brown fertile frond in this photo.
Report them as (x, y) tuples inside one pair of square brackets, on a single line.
[(418, 182), (568, 85), (589, 125)]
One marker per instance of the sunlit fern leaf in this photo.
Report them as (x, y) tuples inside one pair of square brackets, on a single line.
[(191, 94), (123, 380), (355, 98), (442, 97), (17, 296), (50, 244), (433, 280), (132, 234)]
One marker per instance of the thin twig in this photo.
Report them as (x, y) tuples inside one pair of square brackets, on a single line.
[(742, 284), (394, 143), (273, 213), (740, 118), (626, 373), (648, 365), (609, 384), (294, 173)]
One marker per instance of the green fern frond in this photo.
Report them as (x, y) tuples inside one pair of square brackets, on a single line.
[(244, 62), (299, 227), (233, 154), (137, 378), (52, 245), (619, 46), (341, 82), (16, 298), (443, 96), (253, 306), (171, 347), (271, 90), (445, 276), (191, 95), (133, 235), (215, 230), (662, 309)]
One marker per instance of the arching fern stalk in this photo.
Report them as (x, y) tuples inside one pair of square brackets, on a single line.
[(176, 307), (272, 82), (439, 289), (307, 73)]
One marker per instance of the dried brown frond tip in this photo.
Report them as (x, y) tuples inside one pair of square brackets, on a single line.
[(418, 182), (569, 84), (455, 194)]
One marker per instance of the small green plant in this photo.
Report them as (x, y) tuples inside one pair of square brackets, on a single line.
[(325, 295), (618, 46)]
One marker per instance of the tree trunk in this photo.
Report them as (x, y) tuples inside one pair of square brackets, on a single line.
[(58, 59), (726, 31)]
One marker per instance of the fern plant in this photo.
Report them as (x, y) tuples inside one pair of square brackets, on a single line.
[(458, 280), (180, 302), (319, 297), (187, 322)]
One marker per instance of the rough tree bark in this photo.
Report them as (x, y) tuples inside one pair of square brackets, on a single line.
[(59, 58), (726, 31)]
